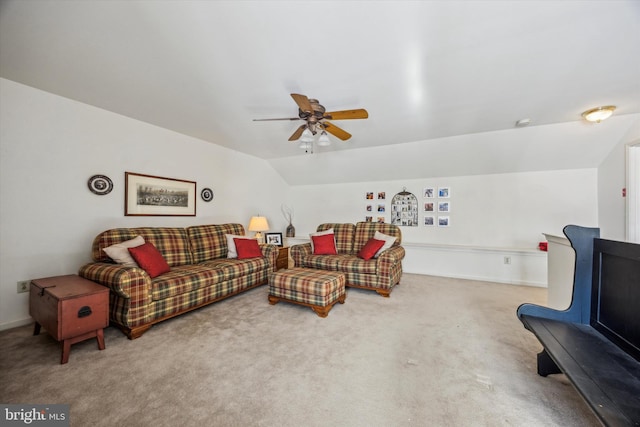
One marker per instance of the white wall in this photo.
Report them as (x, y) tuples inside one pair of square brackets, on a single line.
[(611, 180), (503, 210), (50, 146), (492, 216)]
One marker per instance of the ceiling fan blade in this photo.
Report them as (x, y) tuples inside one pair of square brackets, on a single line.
[(360, 113), (270, 120), (303, 102), (298, 133), (336, 131)]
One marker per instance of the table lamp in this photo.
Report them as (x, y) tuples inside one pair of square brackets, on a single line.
[(258, 224)]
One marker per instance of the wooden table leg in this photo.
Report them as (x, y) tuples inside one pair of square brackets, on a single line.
[(100, 338), (36, 329), (66, 349)]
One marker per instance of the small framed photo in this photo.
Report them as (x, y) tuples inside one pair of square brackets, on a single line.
[(429, 221), (444, 192), (429, 193), (444, 207), (369, 208), (380, 220), (443, 221), (428, 207), (381, 208), (368, 219), (368, 195), (382, 195), (273, 239)]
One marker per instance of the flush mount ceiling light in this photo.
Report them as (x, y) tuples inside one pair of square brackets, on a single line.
[(599, 114)]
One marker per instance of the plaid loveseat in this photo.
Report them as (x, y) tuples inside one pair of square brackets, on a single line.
[(380, 274), (200, 273)]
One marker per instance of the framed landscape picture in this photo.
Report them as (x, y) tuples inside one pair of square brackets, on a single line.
[(148, 195)]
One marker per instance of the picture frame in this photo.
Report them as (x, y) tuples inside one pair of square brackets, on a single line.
[(273, 239), (149, 195), (444, 192), (444, 206), (429, 192)]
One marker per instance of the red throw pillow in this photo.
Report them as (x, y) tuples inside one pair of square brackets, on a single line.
[(150, 259), (324, 245), (370, 248), (247, 248)]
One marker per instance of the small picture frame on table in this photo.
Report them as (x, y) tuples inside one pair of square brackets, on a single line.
[(273, 239)]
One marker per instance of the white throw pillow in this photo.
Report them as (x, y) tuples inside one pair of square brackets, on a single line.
[(320, 233), (232, 252), (120, 251), (388, 242)]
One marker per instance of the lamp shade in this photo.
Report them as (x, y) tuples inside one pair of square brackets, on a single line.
[(258, 223)]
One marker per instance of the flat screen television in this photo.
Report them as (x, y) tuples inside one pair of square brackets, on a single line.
[(615, 301)]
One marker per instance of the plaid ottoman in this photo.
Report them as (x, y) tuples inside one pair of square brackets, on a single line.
[(318, 289)]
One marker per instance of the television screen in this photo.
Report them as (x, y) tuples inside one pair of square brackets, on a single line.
[(616, 293)]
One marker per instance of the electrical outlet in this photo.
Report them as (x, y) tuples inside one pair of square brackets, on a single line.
[(507, 260), (23, 286)]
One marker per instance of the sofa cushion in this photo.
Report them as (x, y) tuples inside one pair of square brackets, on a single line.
[(120, 251), (320, 233), (172, 242), (150, 259), (184, 279), (344, 237), (209, 242), (366, 230), (387, 240), (370, 249), (247, 248), (232, 250), (324, 245)]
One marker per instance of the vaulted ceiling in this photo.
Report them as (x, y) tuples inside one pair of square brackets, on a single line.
[(432, 73)]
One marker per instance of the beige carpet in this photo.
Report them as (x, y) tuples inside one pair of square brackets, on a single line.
[(439, 352)]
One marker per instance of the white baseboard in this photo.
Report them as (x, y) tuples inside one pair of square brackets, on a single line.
[(15, 324), (526, 267)]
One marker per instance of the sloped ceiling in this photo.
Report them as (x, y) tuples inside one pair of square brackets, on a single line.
[(444, 81)]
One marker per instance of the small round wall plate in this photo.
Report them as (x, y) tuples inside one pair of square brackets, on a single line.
[(100, 185), (206, 194)]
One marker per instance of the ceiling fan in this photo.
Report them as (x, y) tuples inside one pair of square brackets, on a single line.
[(316, 118)]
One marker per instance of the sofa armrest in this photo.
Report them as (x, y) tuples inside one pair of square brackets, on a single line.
[(270, 252), (128, 282), (299, 252), (389, 258)]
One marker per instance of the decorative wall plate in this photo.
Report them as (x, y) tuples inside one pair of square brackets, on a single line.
[(100, 185), (206, 194)]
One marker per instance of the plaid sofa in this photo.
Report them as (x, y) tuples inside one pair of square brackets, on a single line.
[(380, 274), (200, 273)]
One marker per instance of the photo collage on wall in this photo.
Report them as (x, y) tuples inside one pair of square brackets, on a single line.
[(376, 207), (437, 206), (404, 209)]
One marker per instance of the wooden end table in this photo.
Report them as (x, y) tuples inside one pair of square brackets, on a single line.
[(283, 258), (70, 308)]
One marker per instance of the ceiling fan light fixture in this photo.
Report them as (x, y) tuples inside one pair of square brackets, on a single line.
[(307, 136), (599, 114), (324, 140)]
